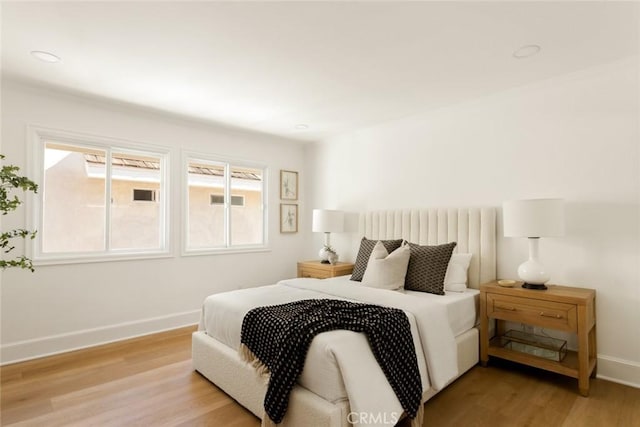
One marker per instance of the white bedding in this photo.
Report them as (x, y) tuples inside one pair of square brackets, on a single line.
[(223, 313), (462, 308), (222, 316)]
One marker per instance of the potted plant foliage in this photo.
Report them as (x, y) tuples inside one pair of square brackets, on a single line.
[(9, 202)]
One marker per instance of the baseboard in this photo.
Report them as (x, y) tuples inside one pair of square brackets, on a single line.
[(55, 344), (620, 371)]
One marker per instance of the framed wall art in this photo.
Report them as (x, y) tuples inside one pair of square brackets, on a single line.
[(288, 218), (288, 185)]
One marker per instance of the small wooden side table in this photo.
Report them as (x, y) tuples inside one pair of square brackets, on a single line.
[(559, 307)]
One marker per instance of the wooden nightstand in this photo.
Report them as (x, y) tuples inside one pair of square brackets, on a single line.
[(323, 271), (560, 307)]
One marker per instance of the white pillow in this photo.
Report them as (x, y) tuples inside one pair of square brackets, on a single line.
[(456, 278), (387, 271)]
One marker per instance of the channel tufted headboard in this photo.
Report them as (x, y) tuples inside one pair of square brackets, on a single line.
[(474, 229)]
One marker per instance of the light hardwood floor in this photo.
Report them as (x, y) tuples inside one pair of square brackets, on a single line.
[(149, 381)]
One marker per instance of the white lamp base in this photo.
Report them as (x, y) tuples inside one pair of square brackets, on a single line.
[(324, 255), (532, 272), (327, 256)]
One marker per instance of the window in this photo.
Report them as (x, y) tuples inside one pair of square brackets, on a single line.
[(90, 198), (218, 199), (237, 200), (225, 205), (140, 195)]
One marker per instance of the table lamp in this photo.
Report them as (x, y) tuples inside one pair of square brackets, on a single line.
[(533, 219), (327, 221)]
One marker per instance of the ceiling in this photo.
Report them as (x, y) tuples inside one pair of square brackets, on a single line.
[(334, 66)]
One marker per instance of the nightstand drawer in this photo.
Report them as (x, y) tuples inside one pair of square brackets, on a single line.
[(316, 273), (317, 270), (536, 312)]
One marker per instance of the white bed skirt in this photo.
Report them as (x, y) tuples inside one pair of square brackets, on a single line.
[(222, 366)]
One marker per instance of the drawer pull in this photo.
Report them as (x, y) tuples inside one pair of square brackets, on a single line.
[(555, 316), (505, 308)]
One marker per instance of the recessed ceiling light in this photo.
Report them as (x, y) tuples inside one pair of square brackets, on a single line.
[(302, 126), (45, 56), (526, 51)]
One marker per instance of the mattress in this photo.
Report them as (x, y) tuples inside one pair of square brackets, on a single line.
[(223, 314)]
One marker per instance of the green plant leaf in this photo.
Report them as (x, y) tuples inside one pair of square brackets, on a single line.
[(9, 181)]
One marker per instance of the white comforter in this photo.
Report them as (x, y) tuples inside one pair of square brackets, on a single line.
[(433, 339)]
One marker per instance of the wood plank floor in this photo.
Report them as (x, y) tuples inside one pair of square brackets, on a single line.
[(149, 381)]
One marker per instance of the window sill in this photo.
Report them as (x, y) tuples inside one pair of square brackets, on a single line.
[(225, 251), (88, 259)]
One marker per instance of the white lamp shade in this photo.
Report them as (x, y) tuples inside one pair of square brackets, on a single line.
[(328, 221), (533, 218)]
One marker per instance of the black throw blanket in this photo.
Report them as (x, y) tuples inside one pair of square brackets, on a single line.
[(280, 335)]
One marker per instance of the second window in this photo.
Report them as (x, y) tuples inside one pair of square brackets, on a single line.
[(225, 204)]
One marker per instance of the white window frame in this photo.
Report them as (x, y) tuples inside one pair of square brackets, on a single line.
[(38, 136), (227, 163)]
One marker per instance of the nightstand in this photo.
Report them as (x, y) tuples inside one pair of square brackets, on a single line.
[(323, 271), (561, 308)]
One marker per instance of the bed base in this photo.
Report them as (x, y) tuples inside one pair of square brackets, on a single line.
[(222, 366)]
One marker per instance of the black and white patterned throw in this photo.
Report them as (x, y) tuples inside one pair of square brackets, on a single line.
[(280, 335)]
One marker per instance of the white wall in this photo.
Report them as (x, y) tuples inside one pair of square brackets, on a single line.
[(66, 306), (575, 136)]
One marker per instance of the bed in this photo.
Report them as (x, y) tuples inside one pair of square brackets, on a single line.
[(321, 398)]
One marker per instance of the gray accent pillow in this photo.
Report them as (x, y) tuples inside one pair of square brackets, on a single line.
[(366, 247), (428, 267), (387, 270)]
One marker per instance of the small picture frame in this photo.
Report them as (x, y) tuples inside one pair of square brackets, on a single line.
[(288, 218), (288, 185)]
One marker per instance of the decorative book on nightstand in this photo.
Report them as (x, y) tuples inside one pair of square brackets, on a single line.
[(323, 271), (561, 308)]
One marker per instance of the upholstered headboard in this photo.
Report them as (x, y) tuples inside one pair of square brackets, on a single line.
[(473, 228)]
